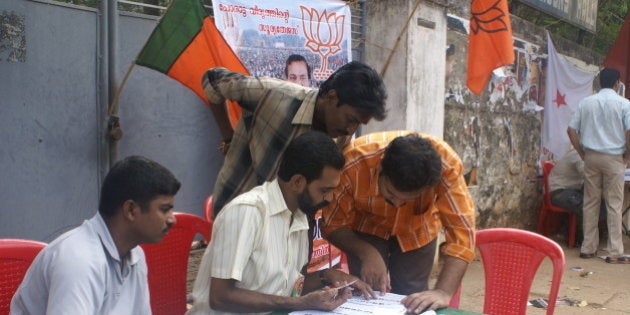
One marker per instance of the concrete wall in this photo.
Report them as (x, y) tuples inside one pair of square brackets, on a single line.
[(498, 133), (414, 75)]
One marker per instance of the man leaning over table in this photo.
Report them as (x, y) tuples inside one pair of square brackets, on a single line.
[(259, 247), (276, 111), (397, 191), (98, 267)]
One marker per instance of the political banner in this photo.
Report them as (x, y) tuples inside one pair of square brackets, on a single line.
[(268, 36)]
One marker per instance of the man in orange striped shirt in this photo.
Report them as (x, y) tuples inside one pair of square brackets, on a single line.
[(398, 190)]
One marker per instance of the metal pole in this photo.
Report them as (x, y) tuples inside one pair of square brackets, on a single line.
[(112, 41), (103, 89)]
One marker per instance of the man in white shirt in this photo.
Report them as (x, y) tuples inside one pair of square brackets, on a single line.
[(259, 245), (599, 131), (98, 267)]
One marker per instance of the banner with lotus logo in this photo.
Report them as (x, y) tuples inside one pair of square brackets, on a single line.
[(302, 41)]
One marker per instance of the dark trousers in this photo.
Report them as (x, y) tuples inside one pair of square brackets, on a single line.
[(409, 272), (570, 199)]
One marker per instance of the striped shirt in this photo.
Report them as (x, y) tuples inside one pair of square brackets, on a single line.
[(274, 113), (257, 241), (358, 204)]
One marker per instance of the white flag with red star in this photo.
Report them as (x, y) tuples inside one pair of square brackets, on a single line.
[(566, 86)]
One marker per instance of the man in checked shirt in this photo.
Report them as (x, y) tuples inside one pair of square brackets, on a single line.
[(277, 111), (398, 189)]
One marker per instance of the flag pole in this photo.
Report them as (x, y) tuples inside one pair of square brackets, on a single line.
[(114, 131), (402, 32), (113, 107)]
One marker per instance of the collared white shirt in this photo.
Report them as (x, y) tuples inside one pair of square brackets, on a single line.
[(80, 273), (602, 120), (256, 242)]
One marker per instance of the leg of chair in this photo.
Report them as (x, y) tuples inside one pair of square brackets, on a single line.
[(541, 220), (456, 297), (572, 229)]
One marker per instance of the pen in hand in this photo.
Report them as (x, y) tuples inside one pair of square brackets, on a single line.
[(341, 287)]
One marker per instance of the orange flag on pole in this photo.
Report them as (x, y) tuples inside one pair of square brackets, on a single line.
[(490, 44), (185, 44)]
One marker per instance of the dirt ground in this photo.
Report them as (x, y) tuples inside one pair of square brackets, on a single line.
[(606, 290)]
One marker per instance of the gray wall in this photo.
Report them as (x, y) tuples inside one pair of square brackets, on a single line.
[(50, 121)]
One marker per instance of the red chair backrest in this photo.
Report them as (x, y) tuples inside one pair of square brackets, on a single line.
[(209, 209), (546, 168), (511, 258), (168, 263), (15, 257)]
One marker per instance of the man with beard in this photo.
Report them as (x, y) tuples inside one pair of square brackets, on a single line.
[(397, 191), (259, 248), (98, 267)]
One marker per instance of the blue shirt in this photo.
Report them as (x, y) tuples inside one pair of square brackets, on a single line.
[(602, 120)]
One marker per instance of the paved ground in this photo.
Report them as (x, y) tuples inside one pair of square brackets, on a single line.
[(606, 290)]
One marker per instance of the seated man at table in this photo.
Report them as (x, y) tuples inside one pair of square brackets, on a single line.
[(566, 186), (260, 246), (397, 191), (98, 267)]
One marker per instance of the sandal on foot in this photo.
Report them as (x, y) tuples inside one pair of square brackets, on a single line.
[(618, 260)]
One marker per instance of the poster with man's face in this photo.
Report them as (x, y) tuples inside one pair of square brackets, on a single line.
[(302, 41)]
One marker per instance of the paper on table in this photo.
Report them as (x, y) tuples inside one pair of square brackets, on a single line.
[(389, 304)]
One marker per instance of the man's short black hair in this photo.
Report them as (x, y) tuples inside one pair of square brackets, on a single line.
[(608, 77), (359, 86), (137, 178), (411, 163), (296, 58), (308, 154)]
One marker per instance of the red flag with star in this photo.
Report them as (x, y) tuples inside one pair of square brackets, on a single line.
[(559, 100), (566, 86), (490, 45)]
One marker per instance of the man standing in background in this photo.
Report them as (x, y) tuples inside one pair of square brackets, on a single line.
[(599, 132)]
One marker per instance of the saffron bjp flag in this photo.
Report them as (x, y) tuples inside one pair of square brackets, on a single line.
[(566, 86), (490, 44), (185, 44), (619, 55)]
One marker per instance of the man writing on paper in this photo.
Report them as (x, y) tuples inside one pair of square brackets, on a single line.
[(397, 191), (259, 246)]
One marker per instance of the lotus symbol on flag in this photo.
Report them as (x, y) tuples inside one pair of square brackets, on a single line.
[(324, 33)]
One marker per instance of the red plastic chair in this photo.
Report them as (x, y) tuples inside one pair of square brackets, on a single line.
[(511, 258), (547, 209), (15, 257), (168, 263), (209, 209)]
